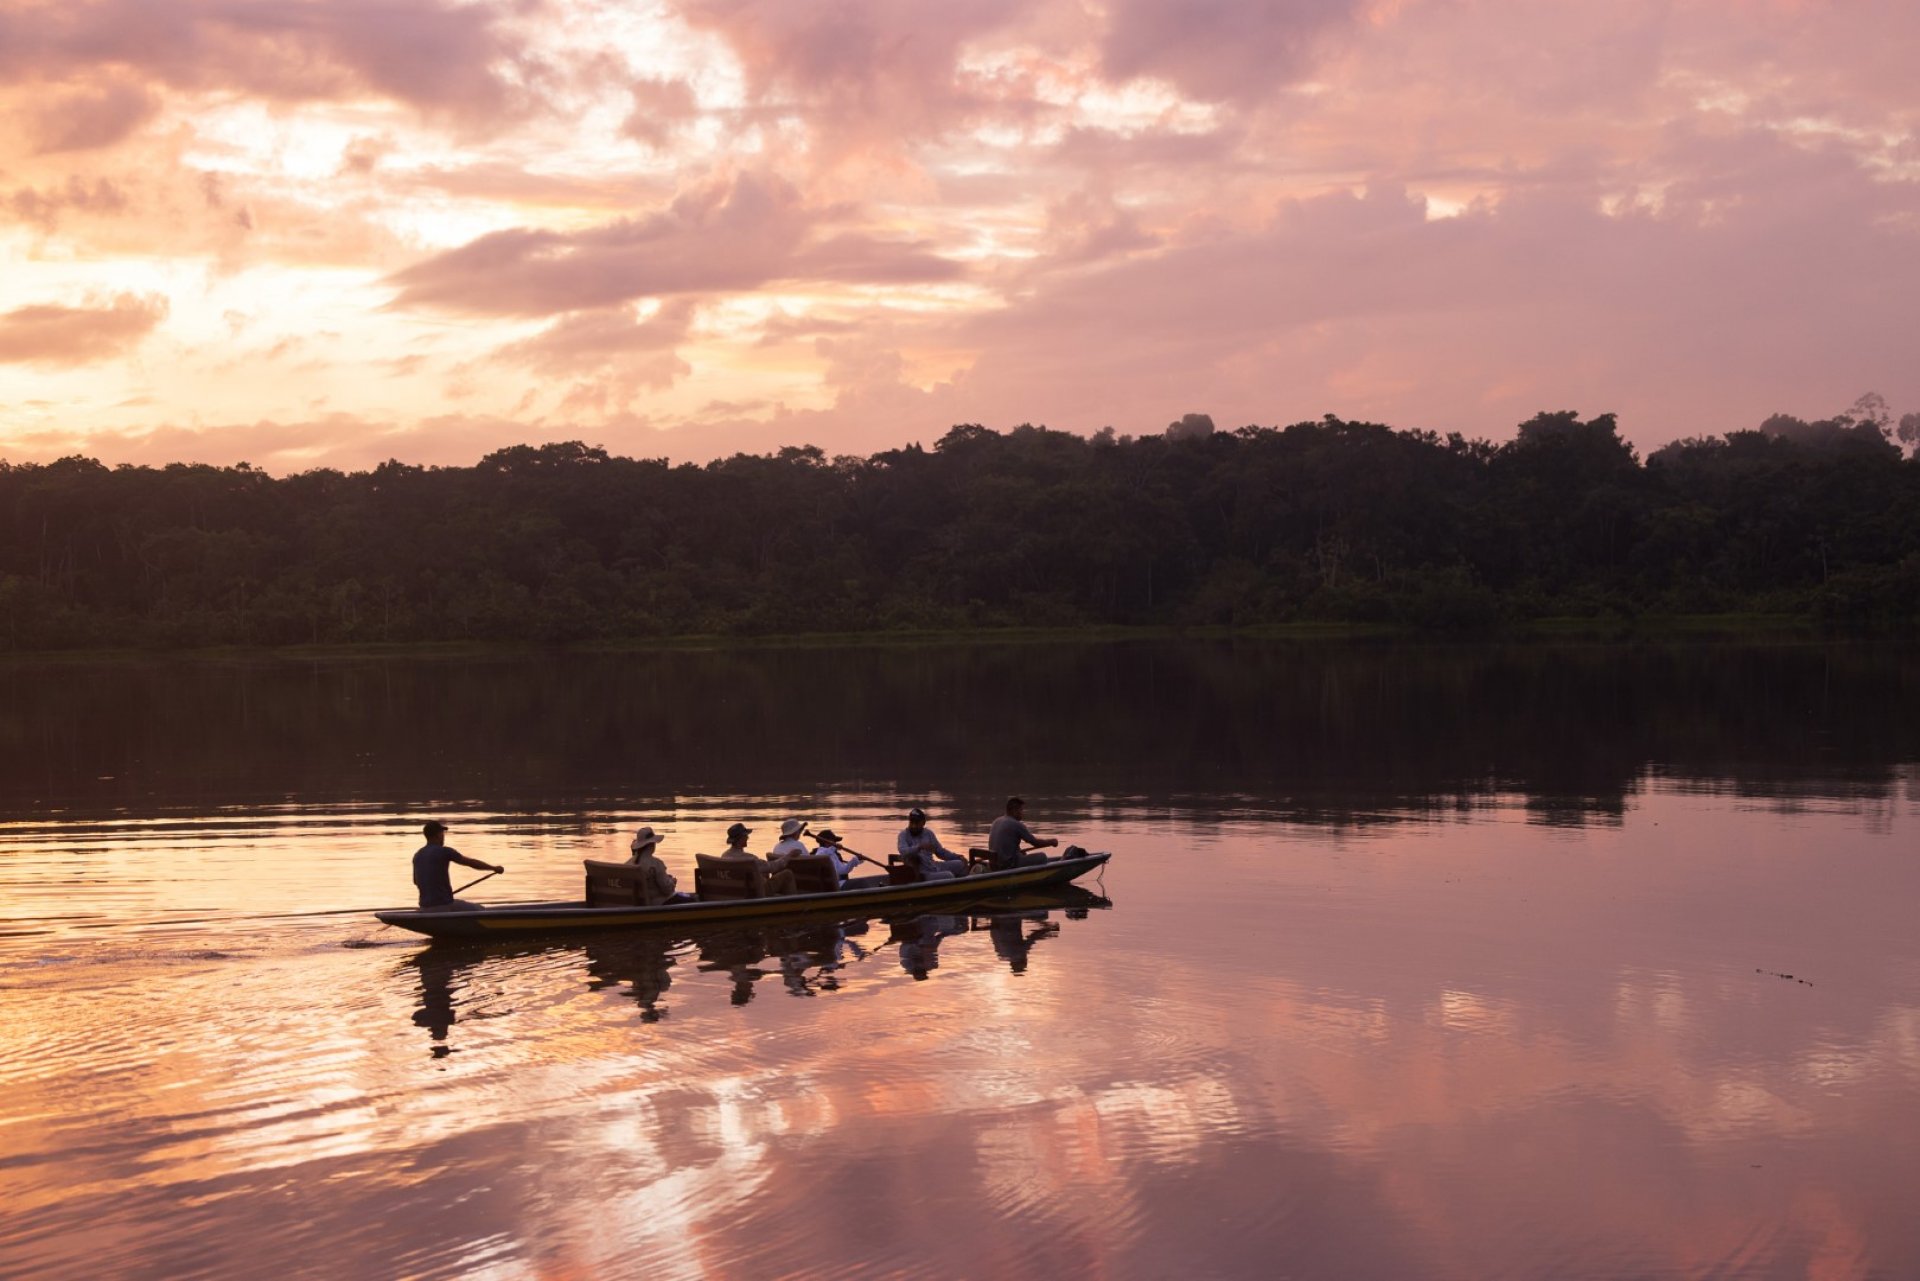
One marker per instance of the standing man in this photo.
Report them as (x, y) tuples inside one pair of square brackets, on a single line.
[(1009, 831), (430, 877), (920, 847)]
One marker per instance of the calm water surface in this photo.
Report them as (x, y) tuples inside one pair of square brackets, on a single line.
[(1457, 963)]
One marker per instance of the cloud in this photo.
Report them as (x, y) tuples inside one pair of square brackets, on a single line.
[(862, 67), (592, 340), (1695, 317), (92, 117), (1431, 212), (712, 239), (440, 57), (660, 106), (61, 337), (43, 207), (1216, 50)]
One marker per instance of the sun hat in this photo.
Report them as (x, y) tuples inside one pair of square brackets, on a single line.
[(644, 837), (792, 827), (738, 830), (826, 836)]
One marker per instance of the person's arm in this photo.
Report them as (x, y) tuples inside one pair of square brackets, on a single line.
[(906, 844), (474, 862), (942, 850), (1038, 842)]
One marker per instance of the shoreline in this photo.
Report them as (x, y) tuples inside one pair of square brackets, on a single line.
[(1701, 628)]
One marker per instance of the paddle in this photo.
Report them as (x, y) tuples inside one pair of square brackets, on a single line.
[(476, 880), (863, 858)]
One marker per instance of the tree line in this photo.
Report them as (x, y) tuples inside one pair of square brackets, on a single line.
[(1331, 520)]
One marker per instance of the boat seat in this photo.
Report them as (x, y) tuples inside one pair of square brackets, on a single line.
[(901, 872), (612, 885), (813, 874), (979, 860), (722, 878)]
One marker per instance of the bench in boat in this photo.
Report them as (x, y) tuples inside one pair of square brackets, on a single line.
[(716, 878)]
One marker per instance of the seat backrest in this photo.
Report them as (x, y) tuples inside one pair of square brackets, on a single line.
[(813, 874), (901, 872), (719, 878), (979, 860), (612, 884)]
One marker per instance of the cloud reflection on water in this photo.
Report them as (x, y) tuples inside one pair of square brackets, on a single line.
[(1338, 1023)]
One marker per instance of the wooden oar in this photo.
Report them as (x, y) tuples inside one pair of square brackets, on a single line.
[(863, 858), (475, 881)]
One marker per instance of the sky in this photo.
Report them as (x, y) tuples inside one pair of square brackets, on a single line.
[(307, 233)]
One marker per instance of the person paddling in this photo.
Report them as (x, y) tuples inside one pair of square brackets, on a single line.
[(827, 842), (1009, 833), (430, 876)]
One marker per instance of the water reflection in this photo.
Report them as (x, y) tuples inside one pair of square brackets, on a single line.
[(808, 957), (1448, 964), (1319, 733)]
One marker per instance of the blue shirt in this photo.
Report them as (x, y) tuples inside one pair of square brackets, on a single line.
[(430, 863)]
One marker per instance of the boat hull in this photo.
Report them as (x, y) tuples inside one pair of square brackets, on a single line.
[(516, 919)]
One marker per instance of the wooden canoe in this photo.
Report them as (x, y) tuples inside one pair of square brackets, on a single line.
[(863, 895)]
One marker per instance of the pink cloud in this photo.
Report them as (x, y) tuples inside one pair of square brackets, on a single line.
[(711, 239), (440, 57), (93, 116), (589, 340), (1220, 49), (60, 337), (1693, 211), (864, 67), (660, 106), (44, 207)]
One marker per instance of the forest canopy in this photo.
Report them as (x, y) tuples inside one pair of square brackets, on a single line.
[(1329, 520)]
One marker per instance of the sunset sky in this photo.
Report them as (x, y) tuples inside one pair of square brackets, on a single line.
[(329, 232)]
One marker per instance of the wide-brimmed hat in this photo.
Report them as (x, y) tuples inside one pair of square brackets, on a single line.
[(792, 827), (738, 830), (916, 813), (644, 837), (827, 836)]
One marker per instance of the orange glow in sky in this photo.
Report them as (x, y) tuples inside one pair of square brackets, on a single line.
[(303, 234)]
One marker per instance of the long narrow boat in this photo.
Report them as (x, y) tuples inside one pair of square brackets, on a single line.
[(862, 894)]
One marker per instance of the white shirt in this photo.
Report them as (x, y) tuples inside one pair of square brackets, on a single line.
[(843, 867), (787, 848)]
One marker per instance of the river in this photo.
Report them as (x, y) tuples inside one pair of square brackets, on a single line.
[(1486, 961)]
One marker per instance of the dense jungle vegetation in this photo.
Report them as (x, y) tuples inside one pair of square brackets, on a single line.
[(1330, 520)]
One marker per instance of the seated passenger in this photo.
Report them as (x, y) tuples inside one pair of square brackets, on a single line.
[(826, 842), (656, 883), (1009, 831), (790, 844), (925, 854), (778, 882)]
